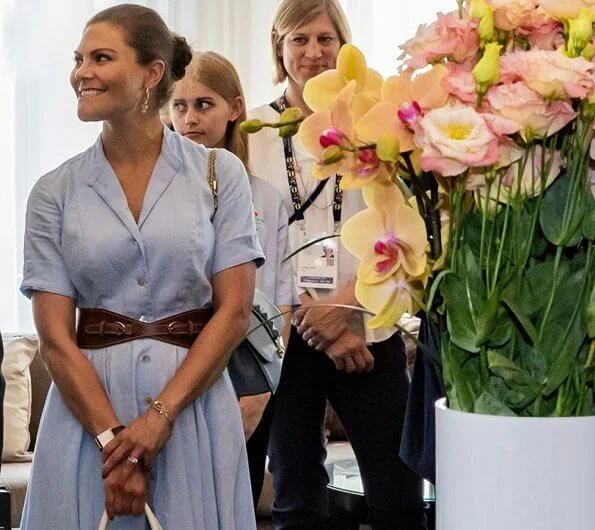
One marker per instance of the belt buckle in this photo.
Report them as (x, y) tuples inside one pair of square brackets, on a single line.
[(118, 332), (172, 330)]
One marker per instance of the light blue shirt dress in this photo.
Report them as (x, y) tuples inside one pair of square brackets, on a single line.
[(81, 241)]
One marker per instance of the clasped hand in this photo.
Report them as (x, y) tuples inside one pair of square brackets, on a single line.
[(320, 326), (127, 460)]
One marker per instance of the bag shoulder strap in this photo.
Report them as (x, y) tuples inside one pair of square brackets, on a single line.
[(213, 177)]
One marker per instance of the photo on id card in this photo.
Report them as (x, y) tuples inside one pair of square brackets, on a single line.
[(318, 264)]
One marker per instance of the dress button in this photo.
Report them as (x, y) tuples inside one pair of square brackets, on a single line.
[(147, 400), (143, 318), (141, 281), (146, 359), (135, 243)]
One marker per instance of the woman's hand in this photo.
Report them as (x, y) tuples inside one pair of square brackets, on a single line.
[(252, 409), (126, 491), (141, 440)]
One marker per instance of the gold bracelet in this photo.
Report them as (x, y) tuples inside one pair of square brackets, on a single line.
[(163, 410)]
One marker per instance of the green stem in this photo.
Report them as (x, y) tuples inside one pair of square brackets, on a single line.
[(501, 249), (279, 124), (553, 293), (485, 373)]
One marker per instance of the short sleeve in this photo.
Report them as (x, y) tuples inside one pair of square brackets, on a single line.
[(285, 293), (44, 268), (236, 241)]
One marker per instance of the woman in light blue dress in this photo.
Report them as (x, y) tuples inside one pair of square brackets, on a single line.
[(129, 226)]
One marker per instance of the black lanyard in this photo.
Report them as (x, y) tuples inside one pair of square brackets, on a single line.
[(298, 207)]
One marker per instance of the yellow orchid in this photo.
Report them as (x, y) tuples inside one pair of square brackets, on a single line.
[(404, 99), (329, 136), (386, 237), (321, 91), (390, 299)]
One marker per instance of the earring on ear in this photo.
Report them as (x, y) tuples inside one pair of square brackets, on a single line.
[(145, 104)]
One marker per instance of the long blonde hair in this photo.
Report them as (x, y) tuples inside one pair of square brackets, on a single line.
[(291, 14), (218, 74)]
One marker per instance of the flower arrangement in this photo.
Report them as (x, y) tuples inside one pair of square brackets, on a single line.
[(474, 164)]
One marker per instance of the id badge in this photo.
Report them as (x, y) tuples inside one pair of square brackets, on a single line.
[(318, 264)]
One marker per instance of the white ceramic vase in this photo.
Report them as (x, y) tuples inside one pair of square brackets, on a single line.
[(508, 473)]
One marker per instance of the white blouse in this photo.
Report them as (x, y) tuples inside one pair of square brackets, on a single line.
[(267, 158)]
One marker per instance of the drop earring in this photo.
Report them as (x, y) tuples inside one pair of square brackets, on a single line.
[(145, 104)]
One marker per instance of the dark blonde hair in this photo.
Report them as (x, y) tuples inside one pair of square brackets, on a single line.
[(218, 74), (150, 38), (291, 14)]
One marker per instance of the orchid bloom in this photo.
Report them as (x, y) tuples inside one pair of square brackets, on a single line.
[(321, 91), (391, 299), (387, 237), (329, 136), (404, 101)]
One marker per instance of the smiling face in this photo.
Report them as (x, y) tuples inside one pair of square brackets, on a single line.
[(107, 78), (310, 49), (201, 114)]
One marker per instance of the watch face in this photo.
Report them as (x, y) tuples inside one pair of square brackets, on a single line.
[(104, 438)]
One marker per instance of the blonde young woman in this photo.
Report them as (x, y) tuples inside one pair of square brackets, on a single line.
[(329, 354), (207, 105), (141, 408)]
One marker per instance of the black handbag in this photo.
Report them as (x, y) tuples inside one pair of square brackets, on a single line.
[(255, 365)]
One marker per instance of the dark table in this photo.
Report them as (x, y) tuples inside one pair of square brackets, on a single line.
[(347, 504)]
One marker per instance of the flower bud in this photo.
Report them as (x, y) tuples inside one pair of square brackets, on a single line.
[(478, 8), (580, 32), (292, 116), (387, 148), (251, 126), (486, 26), (588, 51), (332, 154), (487, 71)]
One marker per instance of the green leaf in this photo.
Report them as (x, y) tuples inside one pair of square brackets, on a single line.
[(588, 227), (486, 317), (567, 357), (591, 314), (459, 315), (512, 398), (435, 284), (551, 215), (513, 375), (486, 403), (523, 320), (461, 376), (502, 330)]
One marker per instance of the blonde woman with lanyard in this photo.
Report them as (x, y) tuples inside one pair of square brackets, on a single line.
[(206, 106), (329, 354)]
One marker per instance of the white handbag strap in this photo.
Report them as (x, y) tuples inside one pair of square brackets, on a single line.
[(153, 522)]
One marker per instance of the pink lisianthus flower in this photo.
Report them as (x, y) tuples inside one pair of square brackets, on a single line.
[(450, 36), (511, 14), (539, 171), (564, 9), (542, 32), (536, 117), (550, 73), (460, 83), (455, 138)]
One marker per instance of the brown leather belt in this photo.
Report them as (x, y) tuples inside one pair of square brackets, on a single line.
[(98, 328)]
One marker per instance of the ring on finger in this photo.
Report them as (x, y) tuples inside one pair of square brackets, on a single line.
[(133, 460)]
